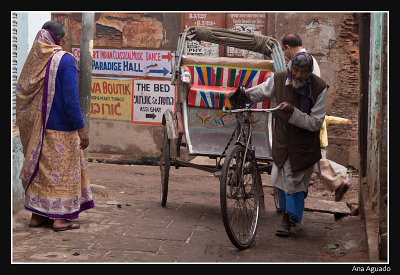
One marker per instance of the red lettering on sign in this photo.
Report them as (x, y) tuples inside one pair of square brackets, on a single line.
[(105, 108), (112, 88), (95, 88), (153, 56)]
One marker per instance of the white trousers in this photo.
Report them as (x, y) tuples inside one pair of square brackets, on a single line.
[(331, 173)]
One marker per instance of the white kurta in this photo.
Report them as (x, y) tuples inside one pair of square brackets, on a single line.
[(284, 178)]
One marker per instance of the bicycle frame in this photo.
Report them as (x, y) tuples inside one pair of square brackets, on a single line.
[(244, 120), (244, 130)]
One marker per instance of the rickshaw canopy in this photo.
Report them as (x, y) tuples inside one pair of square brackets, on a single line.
[(243, 40), (265, 45)]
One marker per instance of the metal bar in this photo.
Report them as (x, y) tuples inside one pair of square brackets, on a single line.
[(207, 168), (279, 57), (178, 56), (185, 122), (250, 110)]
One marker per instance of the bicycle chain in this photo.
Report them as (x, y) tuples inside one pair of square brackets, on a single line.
[(226, 148)]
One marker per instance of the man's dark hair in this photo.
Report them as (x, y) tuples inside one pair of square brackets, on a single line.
[(292, 40), (57, 28)]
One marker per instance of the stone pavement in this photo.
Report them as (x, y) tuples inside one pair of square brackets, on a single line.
[(128, 225)]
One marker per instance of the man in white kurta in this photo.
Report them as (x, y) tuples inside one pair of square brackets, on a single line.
[(293, 44), (284, 178)]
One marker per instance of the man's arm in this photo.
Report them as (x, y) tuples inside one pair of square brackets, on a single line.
[(314, 120), (261, 92)]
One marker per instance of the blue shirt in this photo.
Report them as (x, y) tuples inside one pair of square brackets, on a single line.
[(65, 113)]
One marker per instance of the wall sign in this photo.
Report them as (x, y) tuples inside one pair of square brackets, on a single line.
[(111, 98), (151, 98), (246, 22), (135, 100), (140, 63), (203, 19)]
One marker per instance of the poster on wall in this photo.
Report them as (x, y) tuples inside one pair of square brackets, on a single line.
[(151, 98), (111, 98), (202, 19), (249, 23), (126, 62)]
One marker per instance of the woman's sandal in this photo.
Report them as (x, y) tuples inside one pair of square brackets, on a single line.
[(70, 226)]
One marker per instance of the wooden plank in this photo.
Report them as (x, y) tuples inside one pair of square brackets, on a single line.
[(325, 206)]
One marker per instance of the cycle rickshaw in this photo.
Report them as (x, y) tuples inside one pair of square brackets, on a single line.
[(239, 139)]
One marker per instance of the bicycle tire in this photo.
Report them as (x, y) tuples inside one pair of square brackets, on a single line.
[(240, 212), (165, 164)]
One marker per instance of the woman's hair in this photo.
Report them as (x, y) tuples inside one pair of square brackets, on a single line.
[(57, 28), (292, 40)]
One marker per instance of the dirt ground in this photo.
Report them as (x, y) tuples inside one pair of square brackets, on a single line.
[(128, 224), (184, 179), (345, 235)]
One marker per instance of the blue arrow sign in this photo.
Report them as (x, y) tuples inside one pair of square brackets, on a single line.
[(163, 71)]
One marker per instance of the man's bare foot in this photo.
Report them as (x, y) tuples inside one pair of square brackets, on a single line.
[(339, 193)]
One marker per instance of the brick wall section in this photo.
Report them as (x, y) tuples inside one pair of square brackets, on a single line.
[(345, 103)]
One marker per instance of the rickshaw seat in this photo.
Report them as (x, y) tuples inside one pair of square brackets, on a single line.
[(215, 97), (212, 78)]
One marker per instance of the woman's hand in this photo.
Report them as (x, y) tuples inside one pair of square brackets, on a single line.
[(84, 138)]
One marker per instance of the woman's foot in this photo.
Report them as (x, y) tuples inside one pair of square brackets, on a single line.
[(37, 220), (62, 225)]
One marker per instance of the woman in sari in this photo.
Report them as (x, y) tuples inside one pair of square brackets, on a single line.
[(54, 172)]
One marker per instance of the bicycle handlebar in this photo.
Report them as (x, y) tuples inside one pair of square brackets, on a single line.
[(225, 110)]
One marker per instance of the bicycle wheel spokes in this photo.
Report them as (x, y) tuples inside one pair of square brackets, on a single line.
[(241, 216), (239, 204)]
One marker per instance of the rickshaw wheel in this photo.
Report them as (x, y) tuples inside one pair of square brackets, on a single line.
[(165, 163), (240, 203)]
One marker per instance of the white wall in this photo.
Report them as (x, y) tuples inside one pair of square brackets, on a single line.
[(29, 23), (35, 23)]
